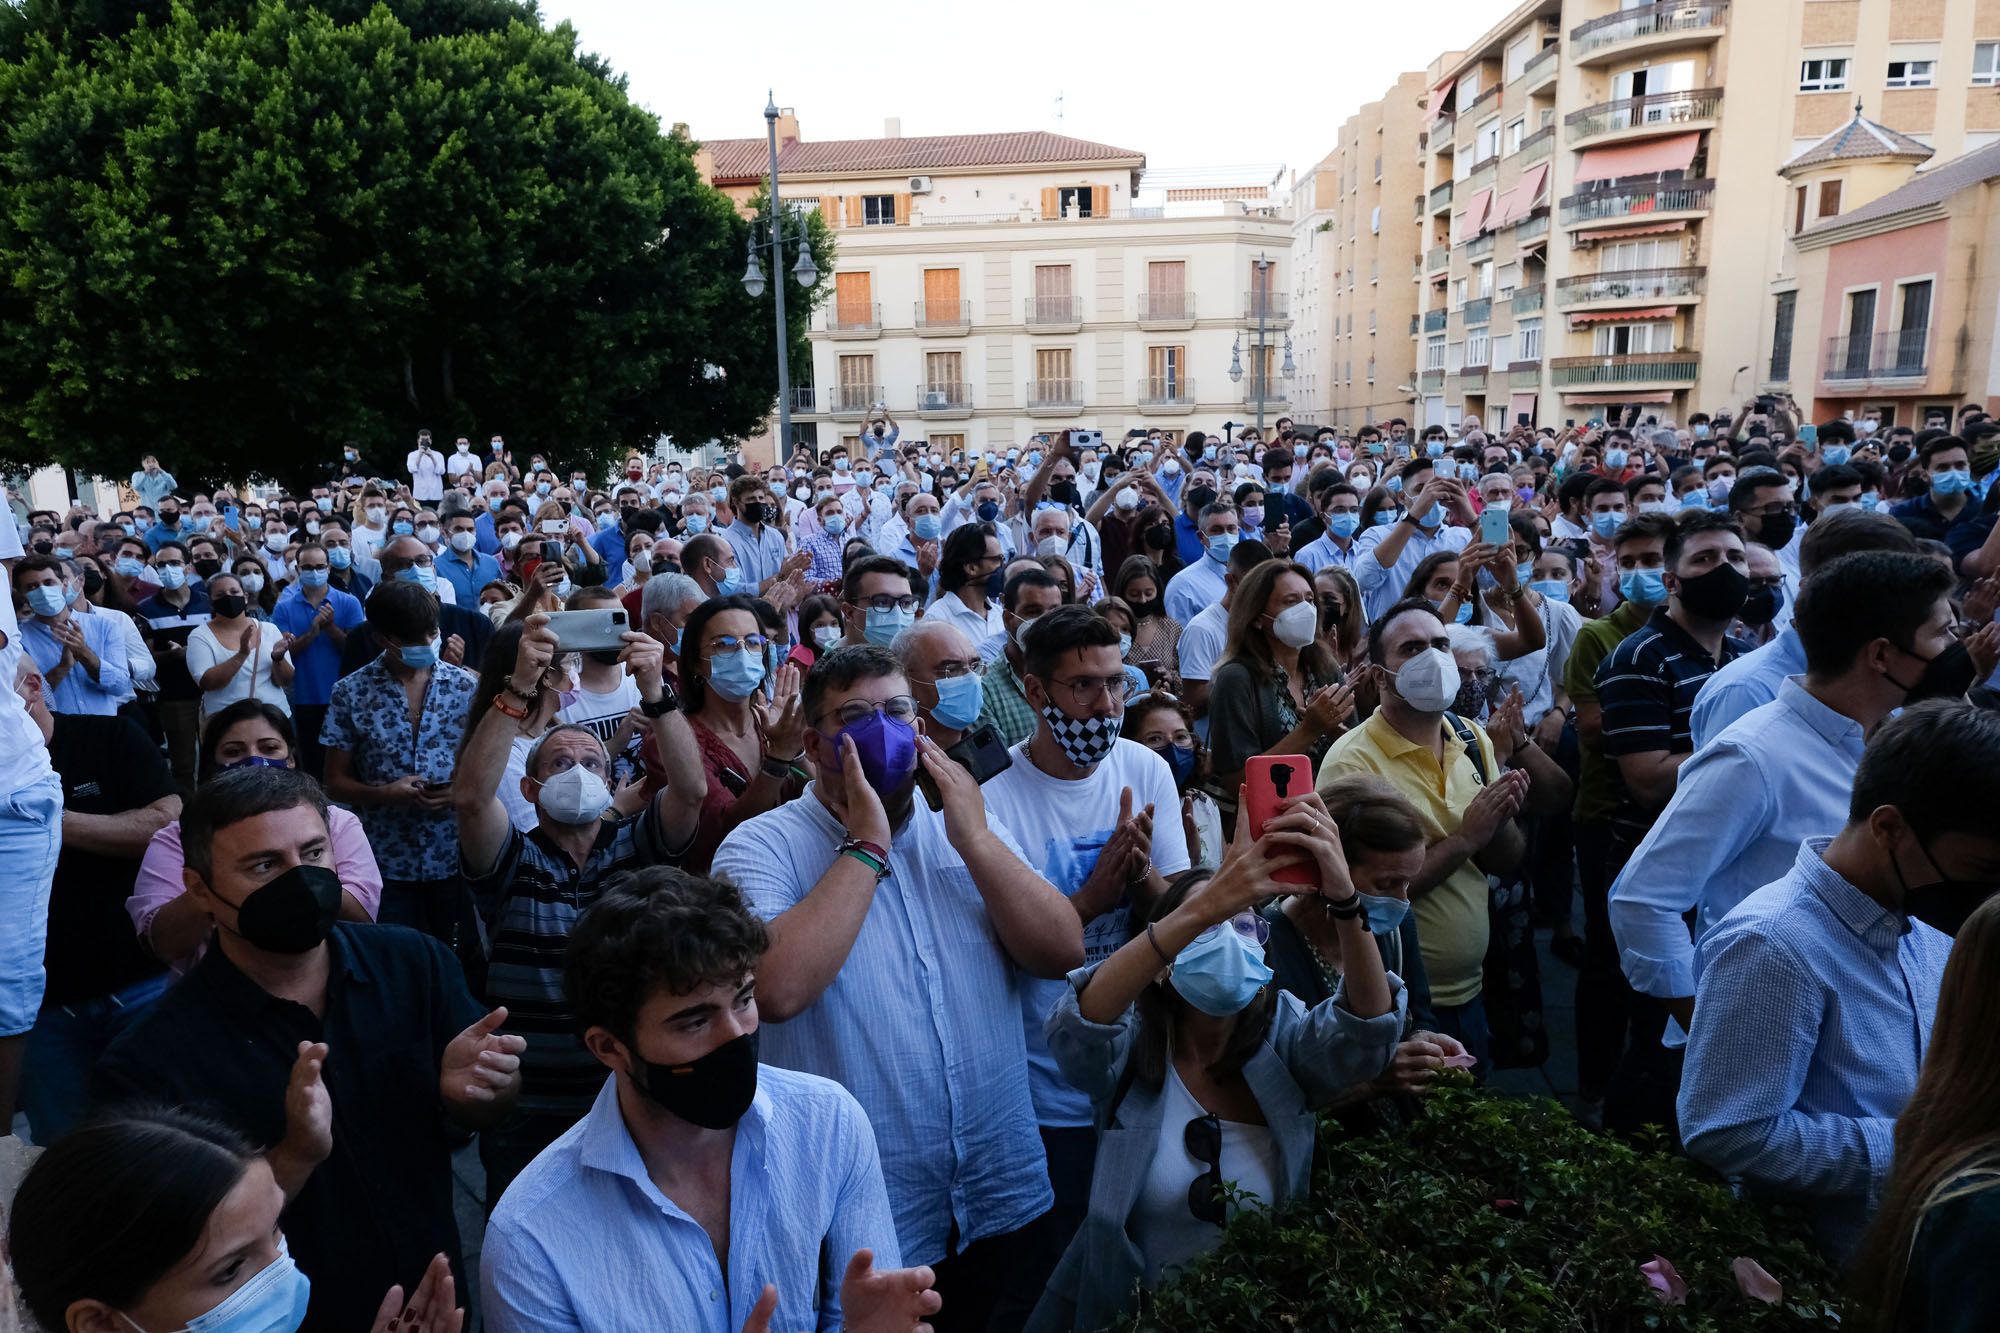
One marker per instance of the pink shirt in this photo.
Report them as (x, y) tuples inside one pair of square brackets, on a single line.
[(159, 881)]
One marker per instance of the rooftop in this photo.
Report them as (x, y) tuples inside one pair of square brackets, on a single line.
[(1859, 140), (1931, 187), (740, 161)]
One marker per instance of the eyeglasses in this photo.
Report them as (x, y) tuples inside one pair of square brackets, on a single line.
[(1247, 924), (730, 643), (953, 668), (1087, 688), (901, 707), (1203, 1140), (888, 601)]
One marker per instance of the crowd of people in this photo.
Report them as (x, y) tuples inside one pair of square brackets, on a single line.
[(848, 893)]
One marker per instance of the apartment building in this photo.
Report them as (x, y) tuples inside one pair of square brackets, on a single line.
[(989, 287), (1353, 230)]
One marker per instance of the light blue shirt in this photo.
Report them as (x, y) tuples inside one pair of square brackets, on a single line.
[(1321, 553), (584, 1239), (78, 693), (1196, 586), (1811, 1022), (922, 1024), (1740, 809), (467, 581), (759, 554), (1382, 588), (153, 487), (1751, 681)]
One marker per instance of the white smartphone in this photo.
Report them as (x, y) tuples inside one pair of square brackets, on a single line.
[(598, 630)]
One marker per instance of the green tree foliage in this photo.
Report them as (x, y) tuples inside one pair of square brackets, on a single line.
[(235, 234)]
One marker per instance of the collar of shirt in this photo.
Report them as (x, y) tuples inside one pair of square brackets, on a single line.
[(608, 1146), (1393, 744), (1834, 727), (1872, 923), (1679, 640), (239, 994)]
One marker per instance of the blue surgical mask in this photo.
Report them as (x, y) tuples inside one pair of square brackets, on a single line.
[(1701, 430), (882, 626), (47, 599), (131, 529), (960, 699), (730, 582), (736, 675), (1221, 971), (1646, 587), (402, 527), (1554, 590), (273, 1301), (1181, 759), (1434, 448), (606, 521), (1344, 524), (1394, 485), (1836, 454), (493, 502), (1695, 499), (424, 576), (1614, 458), (1606, 522), (693, 525), (129, 566), (312, 578), (1432, 518), (543, 488), (1524, 572), (420, 655), (1951, 483), (1869, 499), (325, 503), (1385, 914), (718, 493), (1220, 545), (927, 527), (340, 557), (1464, 611), (835, 524), (171, 576)]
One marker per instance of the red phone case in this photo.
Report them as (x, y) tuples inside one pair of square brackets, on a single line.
[(1261, 775)]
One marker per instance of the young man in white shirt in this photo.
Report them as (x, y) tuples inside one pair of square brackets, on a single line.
[(463, 467), (426, 467)]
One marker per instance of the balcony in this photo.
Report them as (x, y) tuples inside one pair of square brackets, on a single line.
[(1166, 310), (1479, 246), (1263, 396), (1638, 117), (1438, 259), (1270, 307), (1540, 72), (1053, 314), (1434, 320), (944, 318), (1528, 300), (944, 400), (805, 400), (1524, 374), (1472, 379), (1649, 28), (1166, 397), (854, 319), (1440, 197), (1053, 398), (1648, 201), (1537, 145), (855, 400), (1532, 228), (1631, 286), (1491, 91), (1479, 310), (1873, 358), (1650, 369), (1430, 381), (1482, 173)]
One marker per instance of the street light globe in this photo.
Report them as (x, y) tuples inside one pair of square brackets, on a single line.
[(753, 276), (1236, 360), (805, 271)]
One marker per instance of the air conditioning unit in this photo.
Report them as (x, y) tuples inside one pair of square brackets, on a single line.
[(920, 185), (936, 400)]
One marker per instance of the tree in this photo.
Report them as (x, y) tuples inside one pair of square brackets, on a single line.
[(235, 234)]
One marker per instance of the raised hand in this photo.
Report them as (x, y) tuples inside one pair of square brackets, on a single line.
[(963, 807), (453, 651), (253, 634), (892, 1300), (531, 659), (857, 807), (308, 1107), (782, 721), (1303, 822), (644, 659), (433, 1308), (1330, 706), (482, 1064)]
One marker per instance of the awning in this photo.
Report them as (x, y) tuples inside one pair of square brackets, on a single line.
[(1649, 157), (1533, 181), (1521, 405), (1477, 212), (1654, 230), (1439, 94), (1603, 316), (1606, 399)]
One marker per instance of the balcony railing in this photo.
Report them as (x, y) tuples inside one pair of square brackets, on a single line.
[(1054, 395), (1528, 300), (1524, 374), (1622, 202), (1537, 145), (1260, 393), (1573, 372), (1439, 257), (1632, 284), (1532, 228), (854, 317), (1666, 110), (943, 316), (1491, 91), (1170, 392), (1482, 171), (1267, 305), (1631, 25), (1163, 308), (1479, 310), (1481, 244), (853, 400), (1472, 379), (1434, 320), (1895, 355), (944, 398), (1052, 311), (1430, 381), (805, 398), (1440, 196), (1541, 66)]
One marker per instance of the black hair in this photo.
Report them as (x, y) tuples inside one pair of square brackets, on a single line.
[(1938, 444), (850, 582), (812, 608), (1063, 630), (402, 611), (1574, 486), (1379, 628), (1639, 481), (1246, 556), (1523, 527), (235, 795), (694, 673), (242, 710), (1751, 479), (1691, 524), (847, 666), (655, 929), (1934, 763), (1641, 527), (116, 1204), (1412, 467), (1837, 431), (1852, 601), (1010, 592), (1833, 477), (963, 545)]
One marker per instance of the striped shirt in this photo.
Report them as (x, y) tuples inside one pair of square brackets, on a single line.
[(1006, 708), (530, 901), (1647, 689)]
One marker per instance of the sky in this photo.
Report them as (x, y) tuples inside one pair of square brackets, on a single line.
[(1186, 86)]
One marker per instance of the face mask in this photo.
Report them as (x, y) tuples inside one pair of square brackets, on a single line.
[(1718, 490), (92, 581), (252, 583), (1221, 972), (340, 557), (886, 747), (200, 522), (1605, 523), (424, 576), (1084, 742), (1429, 681), (312, 578), (1836, 454), (1942, 904), (274, 541), (1384, 914), (402, 527), (229, 605), (712, 1092), (1220, 545), (1644, 587), (881, 627), (1127, 498), (1463, 615), (827, 637), (463, 541), (1949, 483), (1761, 605), (694, 524), (574, 796), (1171, 468), (960, 699), (736, 675), (493, 502), (428, 534), (292, 913), (1181, 759), (1947, 676), (564, 589), (1054, 545), (419, 656), (47, 600), (207, 569), (719, 494), (988, 510), (130, 567), (171, 576), (1555, 590), (509, 540), (927, 527), (1614, 458), (1434, 448), (1717, 595), (1296, 625)]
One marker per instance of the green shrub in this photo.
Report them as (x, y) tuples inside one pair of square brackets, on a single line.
[(1402, 1232)]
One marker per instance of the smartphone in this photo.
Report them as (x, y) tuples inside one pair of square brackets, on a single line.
[(1271, 778), (1520, 418), (600, 630), (981, 752), (1493, 529), (1809, 434), (801, 657), (1570, 424), (1086, 439)]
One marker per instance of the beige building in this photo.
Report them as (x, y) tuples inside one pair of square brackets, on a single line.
[(1353, 230), (992, 286)]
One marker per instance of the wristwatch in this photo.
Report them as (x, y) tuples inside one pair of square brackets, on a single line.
[(660, 707), (1347, 909)]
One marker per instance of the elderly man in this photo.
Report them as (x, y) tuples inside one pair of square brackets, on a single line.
[(463, 633), (1056, 530), (665, 604), (944, 670)]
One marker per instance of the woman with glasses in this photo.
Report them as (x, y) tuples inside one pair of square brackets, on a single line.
[(1201, 1073), (1276, 689), (752, 749), (1156, 636)]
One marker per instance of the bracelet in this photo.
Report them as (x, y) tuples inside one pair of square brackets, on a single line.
[(1463, 594), (1153, 940), (660, 707), (874, 849), (861, 852), (505, 709), (779, 768), (1347, 909)]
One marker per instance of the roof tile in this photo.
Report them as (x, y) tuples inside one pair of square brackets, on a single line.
[(749, 159), (1929, 187)]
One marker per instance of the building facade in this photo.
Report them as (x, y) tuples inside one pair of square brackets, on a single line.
[(1354, 226), (991, 287)]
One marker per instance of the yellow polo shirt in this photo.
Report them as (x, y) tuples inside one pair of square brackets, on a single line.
[(1451, 917)]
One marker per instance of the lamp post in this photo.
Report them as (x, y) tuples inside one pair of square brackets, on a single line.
[(805, 271), (1261, 382)]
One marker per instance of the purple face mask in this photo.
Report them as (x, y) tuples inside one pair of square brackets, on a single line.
[(887, 747), (258, 761)]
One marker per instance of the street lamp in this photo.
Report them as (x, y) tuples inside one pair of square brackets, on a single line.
[(805, 273), (1260, 381)]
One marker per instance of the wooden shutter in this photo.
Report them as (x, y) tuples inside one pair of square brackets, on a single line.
[(1100, 201), (829, 208), (903, 210), (1799, 218), (1829, 199), (1166, 277), (941, 300), (853, 210), (852, 298), (1052, 280), (944, 370), (1051, 203)]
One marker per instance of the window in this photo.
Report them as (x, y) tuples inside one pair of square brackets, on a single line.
[(1371, 319), (1482, 274), (856, 392), (1375, 221), (1507, 278), (1823, 76), (944, 373), (1799, 212), (1165, 367), (1519, 54), (1053, 303), (878, 210), (1516, 131), (1649, 253), (1985, 64), (941, 303), (853, 301), (1475, 348), (1486, 141), (1907, 357), (1457, 292), (1434, 352), (1166, 289), (1781, 336), (1371, 370), (1829, 198), (1468, 87), (1052, 377), (1912, 73), (1530, 331), (1075, 201), (1454, 357), (1631, 339), (1502, 350)]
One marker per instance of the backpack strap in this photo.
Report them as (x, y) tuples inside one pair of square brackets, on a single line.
[(1463, 730)]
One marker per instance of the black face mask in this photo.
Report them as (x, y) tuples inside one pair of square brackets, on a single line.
[(1146, 610), (43, 547), (292, 913), (207, 569), (712, 1092), (1775, 530), (666, 566), (1762, 605), (1947, 676), (1200, 498), (230, 605), (92, 581), (1158, 536), (1942, 904), (996, 583), (1717, 595), (1065, 493), (754, 513)]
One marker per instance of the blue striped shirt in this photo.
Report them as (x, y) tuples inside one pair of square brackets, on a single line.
[(1811, 1022), (1646, 689)]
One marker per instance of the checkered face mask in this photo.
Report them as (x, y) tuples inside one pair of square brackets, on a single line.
[(1084, 742)]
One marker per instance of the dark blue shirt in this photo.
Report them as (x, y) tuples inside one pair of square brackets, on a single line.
[(1187, 539), (1646, 689), (1922, 518)]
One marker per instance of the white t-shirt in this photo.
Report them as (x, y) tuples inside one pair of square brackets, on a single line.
[(1167, 1233), (521, 812), (1061, 827), (1538, 674), (252, 679), (603, 714), (462, 467)]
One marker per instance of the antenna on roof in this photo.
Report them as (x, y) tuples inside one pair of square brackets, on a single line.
[(1059, 107)]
